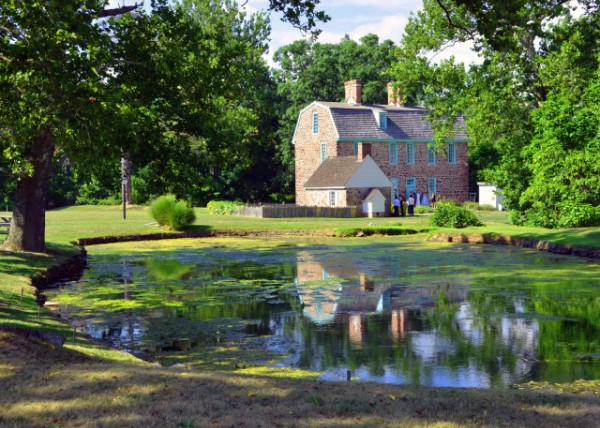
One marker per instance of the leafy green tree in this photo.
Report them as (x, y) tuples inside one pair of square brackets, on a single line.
[(49, 78), (67, 81), (531, 52)]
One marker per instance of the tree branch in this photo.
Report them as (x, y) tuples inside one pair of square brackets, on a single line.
[(117, 11), (452, 24)]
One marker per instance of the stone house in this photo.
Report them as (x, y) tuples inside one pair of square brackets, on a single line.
[(399, 139)]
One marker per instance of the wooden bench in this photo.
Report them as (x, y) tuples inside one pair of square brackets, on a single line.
[(5, 221)]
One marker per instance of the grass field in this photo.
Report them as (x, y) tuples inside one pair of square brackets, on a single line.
[(84, 384)]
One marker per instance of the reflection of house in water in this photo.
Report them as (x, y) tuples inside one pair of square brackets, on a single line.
[(429, 322), (339, 291)]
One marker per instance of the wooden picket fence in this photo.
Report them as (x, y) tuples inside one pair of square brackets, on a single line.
[(287, 211)]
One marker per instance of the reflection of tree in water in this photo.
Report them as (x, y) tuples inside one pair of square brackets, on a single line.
[(164, 304)]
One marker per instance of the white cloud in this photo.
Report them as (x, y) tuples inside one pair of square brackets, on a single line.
[(462, 52), (388, 27), (386, 5)]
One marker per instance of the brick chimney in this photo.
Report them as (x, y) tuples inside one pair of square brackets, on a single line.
[(394, 95), (353, 91), (364, 149)]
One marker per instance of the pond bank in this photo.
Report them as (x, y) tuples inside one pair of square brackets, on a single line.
[(493, 239), (466, 238)]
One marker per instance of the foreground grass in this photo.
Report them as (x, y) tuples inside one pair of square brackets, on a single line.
[(84, 384), (64, 388)]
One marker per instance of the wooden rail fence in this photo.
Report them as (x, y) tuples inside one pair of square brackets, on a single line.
[(286, 211)]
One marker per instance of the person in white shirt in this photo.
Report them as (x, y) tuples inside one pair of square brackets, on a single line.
[(411, 204)]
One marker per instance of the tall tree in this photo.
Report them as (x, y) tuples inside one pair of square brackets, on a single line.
[(519, 42), (60, 68), (49, 78)]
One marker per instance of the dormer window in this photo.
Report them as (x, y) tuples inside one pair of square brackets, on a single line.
[(383, 119)]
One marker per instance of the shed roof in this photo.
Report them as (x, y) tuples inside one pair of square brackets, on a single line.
[(334, 172), (374, 193)]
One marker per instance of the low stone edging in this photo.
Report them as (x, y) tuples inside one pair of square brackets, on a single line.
[(474, 238)]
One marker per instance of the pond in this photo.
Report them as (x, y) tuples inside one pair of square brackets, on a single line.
[(390, 310)]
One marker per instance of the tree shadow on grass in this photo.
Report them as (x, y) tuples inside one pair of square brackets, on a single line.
[(63, 387)]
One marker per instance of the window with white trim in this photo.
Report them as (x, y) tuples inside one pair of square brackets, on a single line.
[(323, 153), (452, 153), (431, 186), (315, 123), (431, 154), (410, 153), (332, 198), (393, 149)]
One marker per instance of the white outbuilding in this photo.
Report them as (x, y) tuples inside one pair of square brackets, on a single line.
[(489, 194)]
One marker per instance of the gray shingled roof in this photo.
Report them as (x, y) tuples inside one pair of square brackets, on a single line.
[(333, 172), (357, 122)]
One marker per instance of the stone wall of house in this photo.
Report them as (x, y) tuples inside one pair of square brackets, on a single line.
[(452, 180), (308, 149), (345, 198), (320, 198)]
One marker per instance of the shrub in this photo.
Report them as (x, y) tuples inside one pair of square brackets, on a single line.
[(224, 207), (422, 209), (448, 214), (517, 218), (578, 215), (181, 215), (160, 209), (474, 206)]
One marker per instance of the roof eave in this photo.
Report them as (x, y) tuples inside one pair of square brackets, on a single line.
[(325, 188), (395, 140)]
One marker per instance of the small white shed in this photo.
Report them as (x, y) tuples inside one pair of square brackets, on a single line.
[(374, 204), (489, 194)]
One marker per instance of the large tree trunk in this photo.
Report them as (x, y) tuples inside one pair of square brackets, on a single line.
[(28, 226)]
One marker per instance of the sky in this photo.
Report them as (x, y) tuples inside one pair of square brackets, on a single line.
[(356, 18)]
